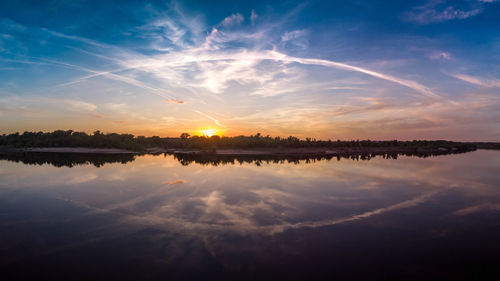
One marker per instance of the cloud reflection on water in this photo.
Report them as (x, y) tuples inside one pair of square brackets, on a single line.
[(247, 198)]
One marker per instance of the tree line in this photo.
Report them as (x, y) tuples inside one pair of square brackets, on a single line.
[(70, 138)]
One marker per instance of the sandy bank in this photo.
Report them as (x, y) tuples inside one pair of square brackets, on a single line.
[(248, 152), (311, 151)]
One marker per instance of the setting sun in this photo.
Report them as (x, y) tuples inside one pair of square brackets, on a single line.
[(208, 132)]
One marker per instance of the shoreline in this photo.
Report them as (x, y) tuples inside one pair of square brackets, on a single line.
[(250, 151), (83, 150)]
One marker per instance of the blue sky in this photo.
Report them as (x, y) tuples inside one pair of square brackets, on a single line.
[(326, 69)]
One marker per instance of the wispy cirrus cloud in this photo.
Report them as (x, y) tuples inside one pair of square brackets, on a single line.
[(488, 83), (233, 19), (436, 11), (440, 56), (216, 121), (210, 65), (80, 105), (480, 208), (45, 103), (215, 66), (253, 16), (179, 181), (181, 59), (173, 101), (290, 35)]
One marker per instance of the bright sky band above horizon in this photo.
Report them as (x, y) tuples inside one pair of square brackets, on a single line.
[(324, 69)]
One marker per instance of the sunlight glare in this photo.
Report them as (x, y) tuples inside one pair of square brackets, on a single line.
[(208, 132)]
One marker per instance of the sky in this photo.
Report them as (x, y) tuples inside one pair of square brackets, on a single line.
[(324, 69)]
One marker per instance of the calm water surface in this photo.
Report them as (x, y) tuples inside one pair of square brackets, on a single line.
[(155, 217)]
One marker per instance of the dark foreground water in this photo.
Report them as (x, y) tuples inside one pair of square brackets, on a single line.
[(120, 217)]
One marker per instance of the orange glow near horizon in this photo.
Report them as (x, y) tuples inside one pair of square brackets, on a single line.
[(208, 132)]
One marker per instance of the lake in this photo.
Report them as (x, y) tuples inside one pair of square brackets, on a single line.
[(166, 217)]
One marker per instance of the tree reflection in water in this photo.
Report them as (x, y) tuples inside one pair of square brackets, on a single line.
[(99, 159)]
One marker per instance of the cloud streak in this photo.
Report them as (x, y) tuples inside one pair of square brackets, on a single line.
[(405, 204), (211, 118), (233, 19), (436, 11), (214, 65), (488, 83), (173, 101), (179, 181), (217, 67), (407, 83)]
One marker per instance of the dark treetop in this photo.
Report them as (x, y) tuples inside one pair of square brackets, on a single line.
[(70, 138)]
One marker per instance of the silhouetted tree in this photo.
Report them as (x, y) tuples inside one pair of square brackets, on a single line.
[(70, 138)]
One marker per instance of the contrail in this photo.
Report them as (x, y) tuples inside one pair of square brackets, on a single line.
[(110, 75), (210, 117), (405, 204), (196, 57), (407, 83)]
